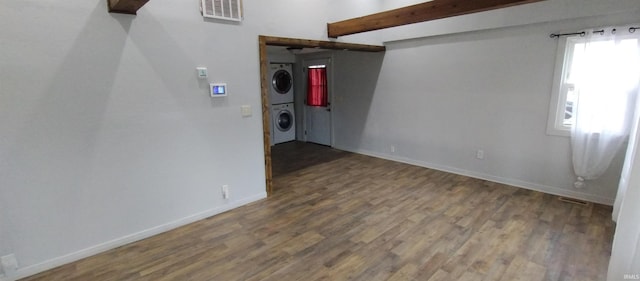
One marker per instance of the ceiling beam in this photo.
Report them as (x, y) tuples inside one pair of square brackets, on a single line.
[(305, 43), (436, 9), (125, 6)]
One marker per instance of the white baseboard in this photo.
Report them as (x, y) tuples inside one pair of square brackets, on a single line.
[(513, 182), (55, 262)]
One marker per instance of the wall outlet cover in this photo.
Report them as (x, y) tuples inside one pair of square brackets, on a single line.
[(225, 191)]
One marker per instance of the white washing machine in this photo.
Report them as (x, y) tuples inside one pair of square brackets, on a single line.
[(283, 127), (281, 90)]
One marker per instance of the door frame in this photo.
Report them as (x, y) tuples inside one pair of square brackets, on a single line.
[(263, 41)]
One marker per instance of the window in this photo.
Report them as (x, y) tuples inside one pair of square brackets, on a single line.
[(317, 86), (564, 91), (575, 65)]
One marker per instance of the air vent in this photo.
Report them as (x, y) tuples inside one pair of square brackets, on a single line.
[(573, 201), (222, 9)]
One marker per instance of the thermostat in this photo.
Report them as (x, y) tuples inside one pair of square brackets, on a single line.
[(218, 89)]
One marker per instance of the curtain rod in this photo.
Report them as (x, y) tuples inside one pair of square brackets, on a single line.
[(583, 33), (556, 35)]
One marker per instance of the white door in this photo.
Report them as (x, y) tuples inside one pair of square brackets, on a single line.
[(318, 109)]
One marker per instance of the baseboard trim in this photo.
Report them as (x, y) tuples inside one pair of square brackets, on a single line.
[(103, 247), (37, 268), (513, 182)]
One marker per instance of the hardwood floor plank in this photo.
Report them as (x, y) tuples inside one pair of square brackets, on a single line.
[(440, 275), (406, 273), (335, 215)]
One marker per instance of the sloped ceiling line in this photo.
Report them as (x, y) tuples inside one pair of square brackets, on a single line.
[(437, 9)]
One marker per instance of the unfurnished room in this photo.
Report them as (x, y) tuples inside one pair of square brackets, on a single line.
[(319, 140)]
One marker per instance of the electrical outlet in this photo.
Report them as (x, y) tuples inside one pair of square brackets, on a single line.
[(9, 264), (393, 148), (225, 191), (480, 154)]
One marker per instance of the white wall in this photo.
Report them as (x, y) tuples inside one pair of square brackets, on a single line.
[(277, 54), (440, 98), (107, 136), (353, 94)]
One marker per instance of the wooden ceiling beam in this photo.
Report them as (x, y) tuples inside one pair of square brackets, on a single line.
[(304, 43), (125, 6), (436, 9)]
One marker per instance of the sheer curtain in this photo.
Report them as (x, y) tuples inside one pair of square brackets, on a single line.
[(607, 82)]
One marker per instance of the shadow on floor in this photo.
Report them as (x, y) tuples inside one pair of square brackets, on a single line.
[(293, 156)]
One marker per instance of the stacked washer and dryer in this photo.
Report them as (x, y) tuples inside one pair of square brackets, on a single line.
[(283, 125)]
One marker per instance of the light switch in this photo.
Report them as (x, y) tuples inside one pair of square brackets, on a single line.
[(245, 110), (202, 72)]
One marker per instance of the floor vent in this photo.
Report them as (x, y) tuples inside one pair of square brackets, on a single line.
[(573, 201)]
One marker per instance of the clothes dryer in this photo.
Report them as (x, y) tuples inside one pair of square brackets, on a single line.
[(281, 88)]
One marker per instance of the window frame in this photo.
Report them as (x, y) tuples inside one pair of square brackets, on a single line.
[(564, 57), (557, 105)]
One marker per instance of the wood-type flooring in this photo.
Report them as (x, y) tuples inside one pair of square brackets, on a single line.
[(354, 217)]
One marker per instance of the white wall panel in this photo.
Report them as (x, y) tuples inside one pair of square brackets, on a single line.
[(107, 134)]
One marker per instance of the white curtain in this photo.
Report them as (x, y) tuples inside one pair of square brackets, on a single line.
[(625, 175), (606, 81), (625, 253)]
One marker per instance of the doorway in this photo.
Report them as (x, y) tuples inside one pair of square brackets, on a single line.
[(263, 42), (317, 106)]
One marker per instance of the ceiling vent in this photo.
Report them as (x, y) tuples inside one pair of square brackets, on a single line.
[(222, 9)]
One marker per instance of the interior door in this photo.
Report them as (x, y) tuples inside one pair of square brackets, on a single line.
[(318, 101)]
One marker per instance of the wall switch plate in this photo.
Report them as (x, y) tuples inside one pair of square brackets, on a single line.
[(480, 154), (202, 72), (245, 110), (9, 264)]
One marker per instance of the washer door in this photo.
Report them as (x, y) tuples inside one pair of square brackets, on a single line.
[(284, 120), (282, 81)]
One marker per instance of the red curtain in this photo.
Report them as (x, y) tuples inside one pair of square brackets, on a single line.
[(317, 87)]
